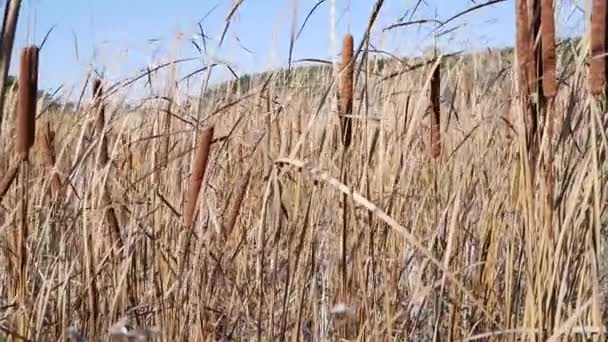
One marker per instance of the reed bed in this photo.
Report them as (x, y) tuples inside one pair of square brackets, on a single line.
[(248, 218)]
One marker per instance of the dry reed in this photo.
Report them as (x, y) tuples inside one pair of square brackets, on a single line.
[(8, 179), (7, 38)]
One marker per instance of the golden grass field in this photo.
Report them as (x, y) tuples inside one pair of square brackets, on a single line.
[(296, 238)]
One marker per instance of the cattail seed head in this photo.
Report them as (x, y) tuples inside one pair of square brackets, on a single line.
[(103, 157), (436, 112), (525, 54), (97, 89), (597, 66), (345, 89), (26, 102), (198, 173), (548, 48), (234, 212), (47, 149)]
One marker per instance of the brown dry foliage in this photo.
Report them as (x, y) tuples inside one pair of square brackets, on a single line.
[(597, 67), (198, 173), (346, 89), (26, 109)]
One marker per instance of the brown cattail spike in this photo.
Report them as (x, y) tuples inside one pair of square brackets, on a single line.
[(198, 173), (345, 95), (525, 55), (27, 99), (238, 201), (100, 123), (548, 48), (436, 112), (534, 71), (597, 67), (47, 149)]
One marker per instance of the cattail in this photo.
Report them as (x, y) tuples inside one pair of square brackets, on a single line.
[(198, 173), (536, 55), (436, 112), (47, 150), (238, 201), (110, 216), (7, 181), (26, 102), (345, 93), (100, 123), (548, 48), (597, 67), (525, 54)]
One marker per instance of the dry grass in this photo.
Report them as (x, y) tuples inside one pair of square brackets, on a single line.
[(314, 243)]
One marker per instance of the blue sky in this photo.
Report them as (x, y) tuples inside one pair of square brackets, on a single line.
[(122, 36)]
